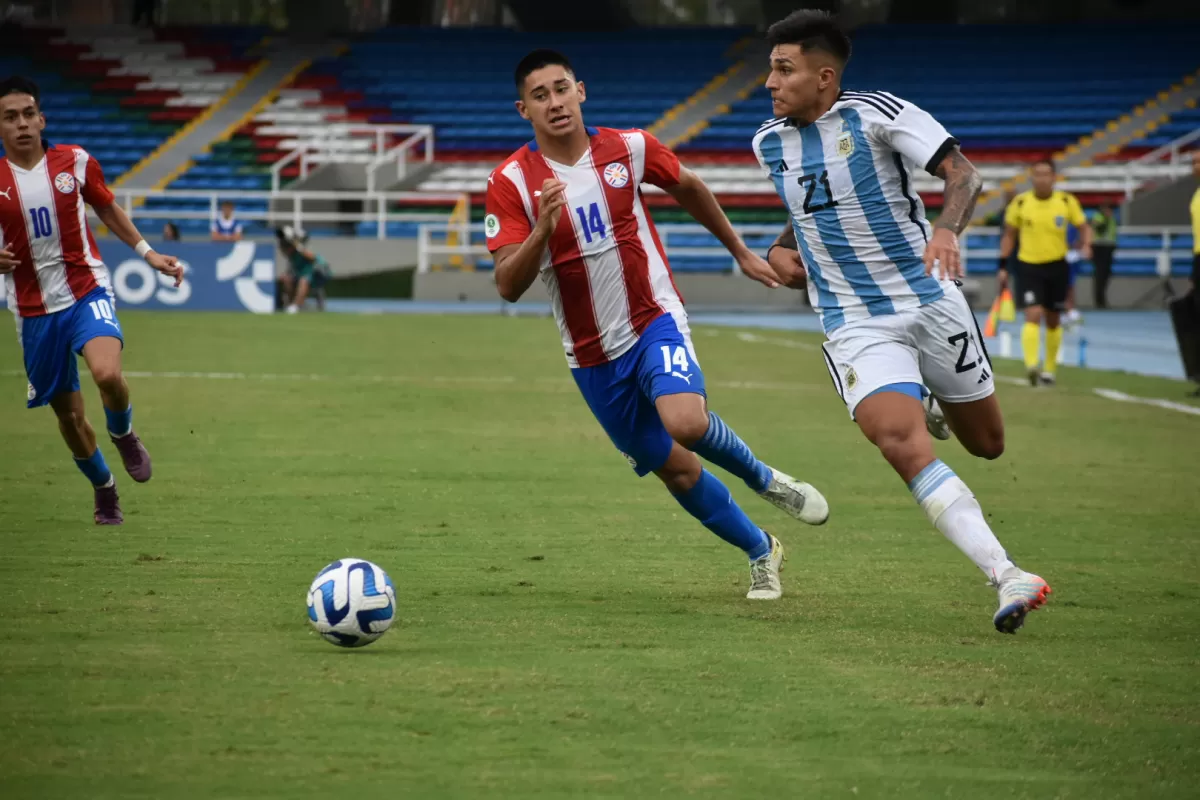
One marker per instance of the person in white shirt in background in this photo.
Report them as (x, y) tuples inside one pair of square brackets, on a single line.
[(225, 227)]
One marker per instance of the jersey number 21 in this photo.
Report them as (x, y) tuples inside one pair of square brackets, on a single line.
[(809, 182)]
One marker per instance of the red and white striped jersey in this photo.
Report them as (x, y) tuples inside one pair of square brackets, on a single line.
[(604, 268), (43, 222)]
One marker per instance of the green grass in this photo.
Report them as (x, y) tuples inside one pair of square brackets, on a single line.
[(565, 629)]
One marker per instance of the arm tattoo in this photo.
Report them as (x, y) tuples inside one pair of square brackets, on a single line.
[(962, 190), (787, 239)]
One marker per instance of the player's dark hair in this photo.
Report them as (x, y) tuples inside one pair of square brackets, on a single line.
[(812, 30), (1049, 162), (17, 84), (535, 61)]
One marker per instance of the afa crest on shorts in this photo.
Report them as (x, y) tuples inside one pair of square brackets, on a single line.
[(616, 175), (851, 377), (64, 182)]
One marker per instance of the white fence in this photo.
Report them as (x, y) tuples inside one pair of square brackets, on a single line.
[(370, 146), (1171, 161), (434, 248), (375, 206)]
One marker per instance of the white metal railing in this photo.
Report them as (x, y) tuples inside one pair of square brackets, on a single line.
[(1171, 152), (432, 245), (398, 156), (747, 179), (376, 206), (340, 143), (1166, 235)]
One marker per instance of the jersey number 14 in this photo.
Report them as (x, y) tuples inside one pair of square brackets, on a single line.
[(591, 222)]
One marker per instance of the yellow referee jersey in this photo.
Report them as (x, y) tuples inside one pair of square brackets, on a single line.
[(1042, 224)]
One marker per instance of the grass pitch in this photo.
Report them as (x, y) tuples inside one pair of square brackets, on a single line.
[(564, 629)]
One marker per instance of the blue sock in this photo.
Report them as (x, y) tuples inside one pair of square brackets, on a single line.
[(94, 468), (723, 447), (119, 422), (710, 502)]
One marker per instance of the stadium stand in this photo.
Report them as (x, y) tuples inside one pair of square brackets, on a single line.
[(1001, 99), (176, 73), (1008, 113), (422, 76), (85, 102), (460, 80), (124, 93)]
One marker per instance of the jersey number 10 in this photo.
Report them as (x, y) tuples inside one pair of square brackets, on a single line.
[(40, 217)]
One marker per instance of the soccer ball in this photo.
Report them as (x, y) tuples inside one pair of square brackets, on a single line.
[(351, 602)]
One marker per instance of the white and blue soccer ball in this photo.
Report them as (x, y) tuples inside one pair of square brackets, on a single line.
[(351, 602)]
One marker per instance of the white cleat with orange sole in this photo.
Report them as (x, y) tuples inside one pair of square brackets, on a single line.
[(1020, 592)]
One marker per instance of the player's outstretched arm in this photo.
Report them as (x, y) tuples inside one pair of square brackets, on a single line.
[(122, 226), (517, 265), (784, 257), (1008, 240), (962, 190), (698, 200), (1085, 231)]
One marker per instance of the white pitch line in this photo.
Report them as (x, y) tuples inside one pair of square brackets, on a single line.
[(1113, 394), (464, 380), (757, 339)]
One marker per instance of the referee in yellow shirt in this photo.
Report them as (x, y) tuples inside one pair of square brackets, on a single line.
[(1040, 218)]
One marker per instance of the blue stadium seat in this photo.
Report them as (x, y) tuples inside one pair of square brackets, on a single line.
[(997, 100), (419, 75)]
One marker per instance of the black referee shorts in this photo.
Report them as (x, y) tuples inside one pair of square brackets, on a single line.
[(1043, 285)]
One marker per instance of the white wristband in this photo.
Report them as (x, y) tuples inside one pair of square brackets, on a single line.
[(141, 248)]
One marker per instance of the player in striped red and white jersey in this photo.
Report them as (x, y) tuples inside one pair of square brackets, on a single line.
[(59, 289), (568, 207)]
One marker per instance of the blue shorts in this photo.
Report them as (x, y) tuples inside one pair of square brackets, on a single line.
[(51, 342), (621, 393)]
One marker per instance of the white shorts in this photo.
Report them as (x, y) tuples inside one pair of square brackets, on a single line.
[(938, 345)]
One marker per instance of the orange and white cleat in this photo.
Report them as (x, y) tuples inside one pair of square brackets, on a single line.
[(1020, 593)]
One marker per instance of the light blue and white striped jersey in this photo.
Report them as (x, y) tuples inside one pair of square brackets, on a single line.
[(859, 223)]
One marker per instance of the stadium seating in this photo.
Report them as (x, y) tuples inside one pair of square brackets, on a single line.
[(1003, 87), (76, 111), (172, 77), (122, 93), (460, 80)]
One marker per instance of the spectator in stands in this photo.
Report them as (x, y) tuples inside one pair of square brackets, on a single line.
[(225, 227), (170, 232), (1104, 245), (307, 271)]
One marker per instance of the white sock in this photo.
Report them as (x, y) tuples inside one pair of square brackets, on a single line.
[(952, 508)]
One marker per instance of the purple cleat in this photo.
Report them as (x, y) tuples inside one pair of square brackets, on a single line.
[(108, 506), (134, 456)]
